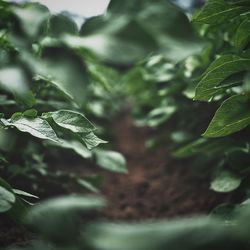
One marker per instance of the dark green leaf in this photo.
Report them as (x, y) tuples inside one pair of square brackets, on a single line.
[(219, 11), (218, 71), (232, 116)]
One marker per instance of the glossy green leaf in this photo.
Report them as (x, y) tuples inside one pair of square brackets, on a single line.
[(219, 70), (7, 199), (34, 126), (225, 181), (91, 140), (233, 115), (219, 11), (110, 160), (72, 120)]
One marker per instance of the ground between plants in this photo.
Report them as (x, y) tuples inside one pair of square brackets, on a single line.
[(155, 187)]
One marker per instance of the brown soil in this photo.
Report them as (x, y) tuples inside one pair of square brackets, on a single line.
[(156, 186)]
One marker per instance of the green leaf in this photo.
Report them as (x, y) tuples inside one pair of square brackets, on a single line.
[(88, 184), (34, 126), (242, 35), (233, 115), (72, 120), (50, 217), (61, 24), (23, 193), (75, 145), (218, 71), (160, 115), (66, 69), (219, 11), (7, 199), (202, 146), (225, 181), (188, 234), (31, 17), (91, 140), (110, 160), (139, 30), (30, 113)]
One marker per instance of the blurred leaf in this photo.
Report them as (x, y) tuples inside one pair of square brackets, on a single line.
[(139, 30), (61, 24), (31, 17), (189, 234), (23, 193), (88, 184), (110, 160), (66, 70), (160, 115), (30, 113), (58, 219), (7, 199), (225, 211), (14, 79), (225, 181), (232, 116), (239, 159)]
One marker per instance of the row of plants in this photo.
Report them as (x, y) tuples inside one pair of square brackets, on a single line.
[(46, 89), (188, 81), (204, 99)]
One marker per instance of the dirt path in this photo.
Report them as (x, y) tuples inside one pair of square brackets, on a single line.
[(154, 188)]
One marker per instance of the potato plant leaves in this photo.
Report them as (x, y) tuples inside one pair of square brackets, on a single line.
[(219, 11), (91, 140), (74, 121), (35, 126), (232, 116), (138, 30), (218, 71), (74, 145)]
